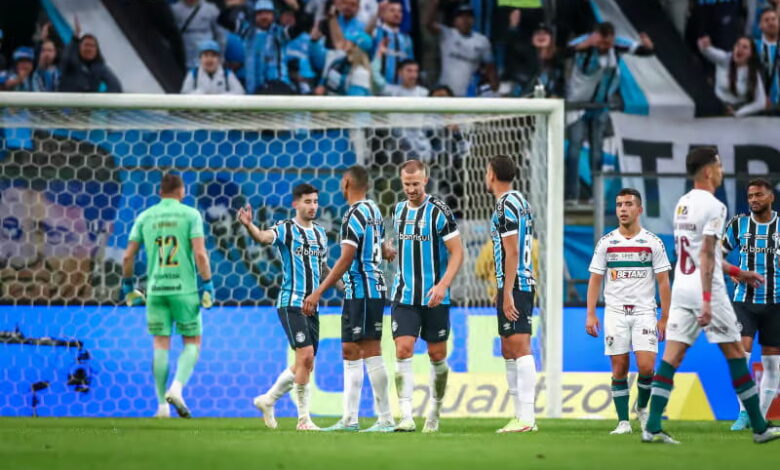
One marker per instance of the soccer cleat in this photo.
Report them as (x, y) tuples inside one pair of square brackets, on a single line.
[(623, 427), (305, 424), (175, 399), (431, 424), (163, 411), (659, 437), (387, 426), (742, 422), (771, 433), (515, 425), (406, 425), (340, 426), (642, 415), (265, 404)]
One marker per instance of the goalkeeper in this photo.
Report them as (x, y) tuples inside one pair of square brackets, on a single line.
[(172, 235)]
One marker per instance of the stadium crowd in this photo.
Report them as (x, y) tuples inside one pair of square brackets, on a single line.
[(415, 48)]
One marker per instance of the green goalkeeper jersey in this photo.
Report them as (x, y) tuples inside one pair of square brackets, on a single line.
[(165, 231)]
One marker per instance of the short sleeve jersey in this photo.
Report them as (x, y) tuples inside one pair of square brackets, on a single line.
[(698, 214), (629, 266)]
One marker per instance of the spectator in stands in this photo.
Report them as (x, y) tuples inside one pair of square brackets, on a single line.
[(768, 47), (399, 47), (20, 79), (298, 52), (365, 10), (441, 91), (345, 12), (541, 65), (738, 81), (463, 51), (594, 81), (718, 19), (83, 68), (408, 76), (211, 78), (197, 22), (47, 76), (265, 45), (347, 72)]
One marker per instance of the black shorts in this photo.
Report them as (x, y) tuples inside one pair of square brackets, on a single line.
[(301, 330), (430, 324), (762, 318), (361, 319), (524, 303)]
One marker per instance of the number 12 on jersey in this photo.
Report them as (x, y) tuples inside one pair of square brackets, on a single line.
[(171, 244)]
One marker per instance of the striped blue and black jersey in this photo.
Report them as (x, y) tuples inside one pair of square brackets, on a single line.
[(303, 251), (362, 227), (512, 216), (759, 251), (422, 255)]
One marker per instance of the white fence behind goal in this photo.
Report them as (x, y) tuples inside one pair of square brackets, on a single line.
[(77, 169)]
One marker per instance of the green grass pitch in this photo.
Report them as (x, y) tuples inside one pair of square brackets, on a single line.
[(235, 444)]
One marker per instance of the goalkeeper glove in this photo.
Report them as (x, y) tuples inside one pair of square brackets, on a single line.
[(131, 296), (207, 294)]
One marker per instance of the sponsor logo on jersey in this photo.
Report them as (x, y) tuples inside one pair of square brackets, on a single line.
[(641, 240), (614, 242), (759, 250), (685, 227), (414, 237), (682, 210), (616, 274), (301, 251), (746, 235), (378, 326)]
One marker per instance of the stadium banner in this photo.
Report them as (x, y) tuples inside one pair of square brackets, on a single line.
[(659, 145), (96, 361)]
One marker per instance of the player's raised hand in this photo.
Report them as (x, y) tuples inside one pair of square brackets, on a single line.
[(706, 314), (510, 311), (436, 295), (244, 215), (388, 250), (310, 304), (592, 325)]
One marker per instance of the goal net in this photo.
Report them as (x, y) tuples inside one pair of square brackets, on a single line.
[(75, 171)]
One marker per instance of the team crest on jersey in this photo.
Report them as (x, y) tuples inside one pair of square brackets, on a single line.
[(421, 224), (300, 337), (644, 256)]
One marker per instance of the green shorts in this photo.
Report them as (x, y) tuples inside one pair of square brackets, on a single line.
[(163, 310)]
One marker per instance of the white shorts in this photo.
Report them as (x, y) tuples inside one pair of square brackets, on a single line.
[(683, 327), (625, 333)]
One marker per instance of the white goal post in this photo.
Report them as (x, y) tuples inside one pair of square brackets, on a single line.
[(530, 129)]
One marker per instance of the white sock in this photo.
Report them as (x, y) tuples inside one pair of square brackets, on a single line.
[(404, 384), (176, 388), (526, 388), (353, 384), (770, 380), (302, 400), (282, 385), (438, 385), (511, 381), (747, 359), (378, 376)]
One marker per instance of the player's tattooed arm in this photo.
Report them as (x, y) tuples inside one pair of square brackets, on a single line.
[(594, 289), (266, 237)]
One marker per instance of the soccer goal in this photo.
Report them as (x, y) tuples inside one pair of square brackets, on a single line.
[(76, 169)]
